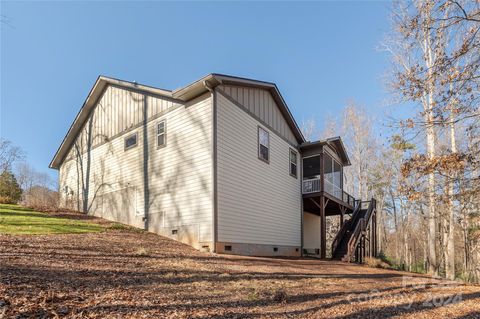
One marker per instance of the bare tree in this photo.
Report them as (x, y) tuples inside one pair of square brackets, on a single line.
[(9, 154), (434, 46), (309, 129)]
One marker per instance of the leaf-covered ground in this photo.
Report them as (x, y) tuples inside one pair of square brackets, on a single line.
[(122, 272)]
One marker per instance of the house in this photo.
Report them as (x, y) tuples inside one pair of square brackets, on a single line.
[(219, 164)]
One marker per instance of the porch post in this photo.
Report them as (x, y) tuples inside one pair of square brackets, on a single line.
[(342, 214), (322, 188), (374, 239), (323, 229)]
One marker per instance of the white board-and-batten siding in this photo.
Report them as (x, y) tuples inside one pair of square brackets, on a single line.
[(258, 202), (179, 175)]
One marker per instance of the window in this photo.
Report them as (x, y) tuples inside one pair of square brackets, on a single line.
[(293, 163), (263, 145), (161, 134), (131, 141)]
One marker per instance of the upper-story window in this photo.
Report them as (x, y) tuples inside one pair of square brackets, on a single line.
[(293, 163), (161, 133), (131, 141), (263, 145)]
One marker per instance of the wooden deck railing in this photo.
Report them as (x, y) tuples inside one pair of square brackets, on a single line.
[(345, 227), (360, 228), (313, 185)]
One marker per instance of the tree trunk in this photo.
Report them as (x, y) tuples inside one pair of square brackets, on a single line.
[(450, 227), (429, 103)]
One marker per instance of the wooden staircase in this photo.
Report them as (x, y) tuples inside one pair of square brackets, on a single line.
[(349, 243)]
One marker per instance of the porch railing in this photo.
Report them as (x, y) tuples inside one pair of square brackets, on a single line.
[(313, 186), (333, 189), (349, 199)]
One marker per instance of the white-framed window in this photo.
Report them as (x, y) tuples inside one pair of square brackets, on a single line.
[(263, 145), (161, 133), (131, 141), (293, 163)]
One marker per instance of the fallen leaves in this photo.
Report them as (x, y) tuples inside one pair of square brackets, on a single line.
[(132, 274)]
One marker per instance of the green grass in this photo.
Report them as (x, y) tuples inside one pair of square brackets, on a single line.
[(18, 220)]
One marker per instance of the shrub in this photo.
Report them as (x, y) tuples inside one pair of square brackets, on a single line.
[(10, 191), (6, 200), (41, 198), (376, 263)]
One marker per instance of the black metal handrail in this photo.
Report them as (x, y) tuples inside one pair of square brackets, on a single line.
[(347, 198)]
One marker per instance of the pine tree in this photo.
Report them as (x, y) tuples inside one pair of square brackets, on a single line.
[(10, 191)]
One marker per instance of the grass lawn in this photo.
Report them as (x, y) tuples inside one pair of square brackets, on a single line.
[(15, 219), (123, 272)]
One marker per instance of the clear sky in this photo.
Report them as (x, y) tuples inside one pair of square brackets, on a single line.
[(320, 54)]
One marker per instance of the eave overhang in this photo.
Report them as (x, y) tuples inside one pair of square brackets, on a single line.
[(335, 142), (180, 95)]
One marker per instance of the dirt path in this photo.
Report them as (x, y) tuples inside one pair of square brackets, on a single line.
[(125, 273)]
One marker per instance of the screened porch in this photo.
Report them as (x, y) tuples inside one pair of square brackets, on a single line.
[(326, 176)]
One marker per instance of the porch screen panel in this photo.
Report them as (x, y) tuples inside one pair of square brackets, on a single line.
[(311, 167), (332, 176), (337, 175)]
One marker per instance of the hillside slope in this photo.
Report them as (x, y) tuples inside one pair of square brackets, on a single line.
[(122, 272)]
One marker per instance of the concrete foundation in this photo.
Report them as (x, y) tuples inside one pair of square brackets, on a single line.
[(257, 249)]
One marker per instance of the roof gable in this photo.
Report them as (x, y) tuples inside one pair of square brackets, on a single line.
[(334, 142), (180, 96), (261, 105)]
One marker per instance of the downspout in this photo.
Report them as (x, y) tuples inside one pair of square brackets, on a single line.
[(211, 89), (301, 201), (146, 188)]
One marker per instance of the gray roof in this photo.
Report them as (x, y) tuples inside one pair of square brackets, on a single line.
[(181, 95), (336, 142)]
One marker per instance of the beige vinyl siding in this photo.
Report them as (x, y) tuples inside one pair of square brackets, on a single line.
[(179, 175), (261, 104), (258, 203)]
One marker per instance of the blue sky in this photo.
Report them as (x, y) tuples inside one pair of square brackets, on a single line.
[(320, 54)]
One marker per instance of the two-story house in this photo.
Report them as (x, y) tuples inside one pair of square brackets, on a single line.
[(219, 164)]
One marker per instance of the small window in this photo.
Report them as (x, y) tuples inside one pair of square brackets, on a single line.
[(293, 163), (131, 141), (263, 145), (161, 134)]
